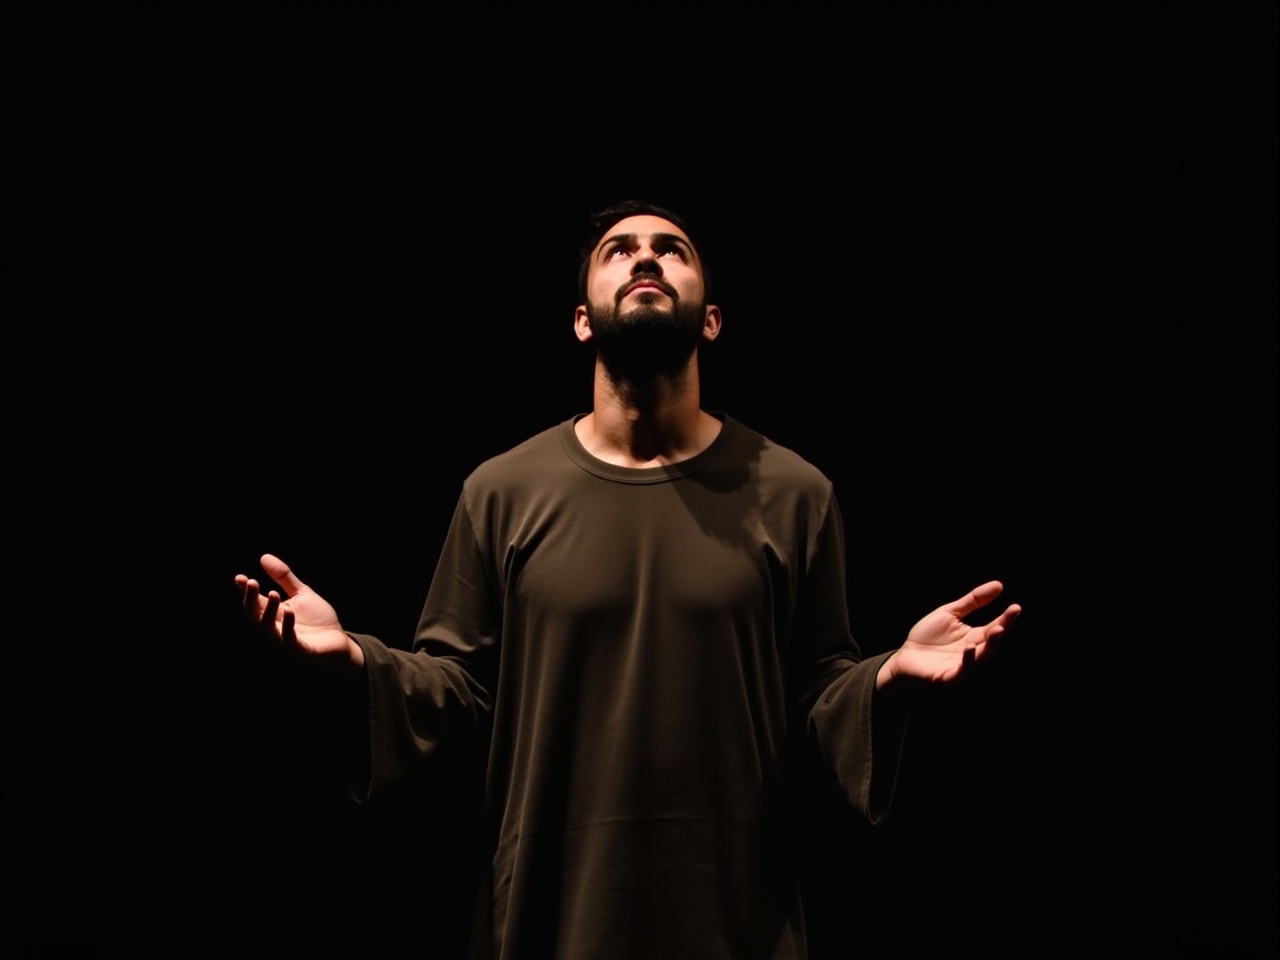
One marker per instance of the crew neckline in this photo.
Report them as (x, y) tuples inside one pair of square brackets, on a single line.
[(659, 474)]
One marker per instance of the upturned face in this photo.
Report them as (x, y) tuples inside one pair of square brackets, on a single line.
[(646, 309), (644, 261)]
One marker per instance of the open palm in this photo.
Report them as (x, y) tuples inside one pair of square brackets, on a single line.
[(941, 646), (300, 619)]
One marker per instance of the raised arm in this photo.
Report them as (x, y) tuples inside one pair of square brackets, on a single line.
[(299, 619)]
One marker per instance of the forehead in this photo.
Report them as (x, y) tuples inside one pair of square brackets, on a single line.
[(641, 226)]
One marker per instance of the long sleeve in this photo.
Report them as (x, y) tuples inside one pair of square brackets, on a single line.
[(859, 732), (440, 691)]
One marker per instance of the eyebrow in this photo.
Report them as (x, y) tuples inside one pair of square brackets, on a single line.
[(629, 239)]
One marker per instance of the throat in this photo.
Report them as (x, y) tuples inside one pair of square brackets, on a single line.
[(643, 444)]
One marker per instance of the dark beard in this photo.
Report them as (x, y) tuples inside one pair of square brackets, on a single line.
[(646, 343)]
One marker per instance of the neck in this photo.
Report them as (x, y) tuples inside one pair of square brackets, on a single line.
[(648, 424)]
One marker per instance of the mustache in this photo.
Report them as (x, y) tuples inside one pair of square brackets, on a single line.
[(658, 282)]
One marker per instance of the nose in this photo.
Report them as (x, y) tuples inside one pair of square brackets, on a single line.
[(646, 261)]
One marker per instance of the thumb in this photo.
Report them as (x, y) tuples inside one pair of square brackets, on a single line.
[(279, 571), (975, 599)]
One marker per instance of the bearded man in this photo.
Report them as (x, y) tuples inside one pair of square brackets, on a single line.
[(642, 611)]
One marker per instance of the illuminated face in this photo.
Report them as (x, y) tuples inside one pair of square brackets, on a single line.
[(646, 310), (644, 261)]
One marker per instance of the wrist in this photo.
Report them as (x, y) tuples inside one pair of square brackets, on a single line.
[(888, 671), (355, 654)]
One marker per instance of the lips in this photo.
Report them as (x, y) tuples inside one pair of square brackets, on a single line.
[(648, 284)]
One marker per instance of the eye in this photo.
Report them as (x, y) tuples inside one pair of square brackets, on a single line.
[(617, 253)]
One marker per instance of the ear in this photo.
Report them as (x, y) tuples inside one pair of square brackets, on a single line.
[(711, 323), (581, 325)]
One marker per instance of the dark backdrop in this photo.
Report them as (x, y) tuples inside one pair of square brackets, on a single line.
[(279, 276)]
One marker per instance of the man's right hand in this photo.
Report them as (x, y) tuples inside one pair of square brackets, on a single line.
[(301, 621)]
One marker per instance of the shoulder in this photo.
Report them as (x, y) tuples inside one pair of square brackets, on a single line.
[(794, 499), (533, 458), (775, 462)]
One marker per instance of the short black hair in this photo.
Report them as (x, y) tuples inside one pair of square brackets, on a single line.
[(603, 219)]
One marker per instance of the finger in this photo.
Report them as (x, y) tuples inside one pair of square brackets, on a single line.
[(997, 627), (269, 612), (1006, 619), (249, 597), (287, 633)]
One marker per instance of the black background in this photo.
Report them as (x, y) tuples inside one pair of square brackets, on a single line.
[(278, 276)]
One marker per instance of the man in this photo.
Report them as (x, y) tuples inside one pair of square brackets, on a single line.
[(643, 609)]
